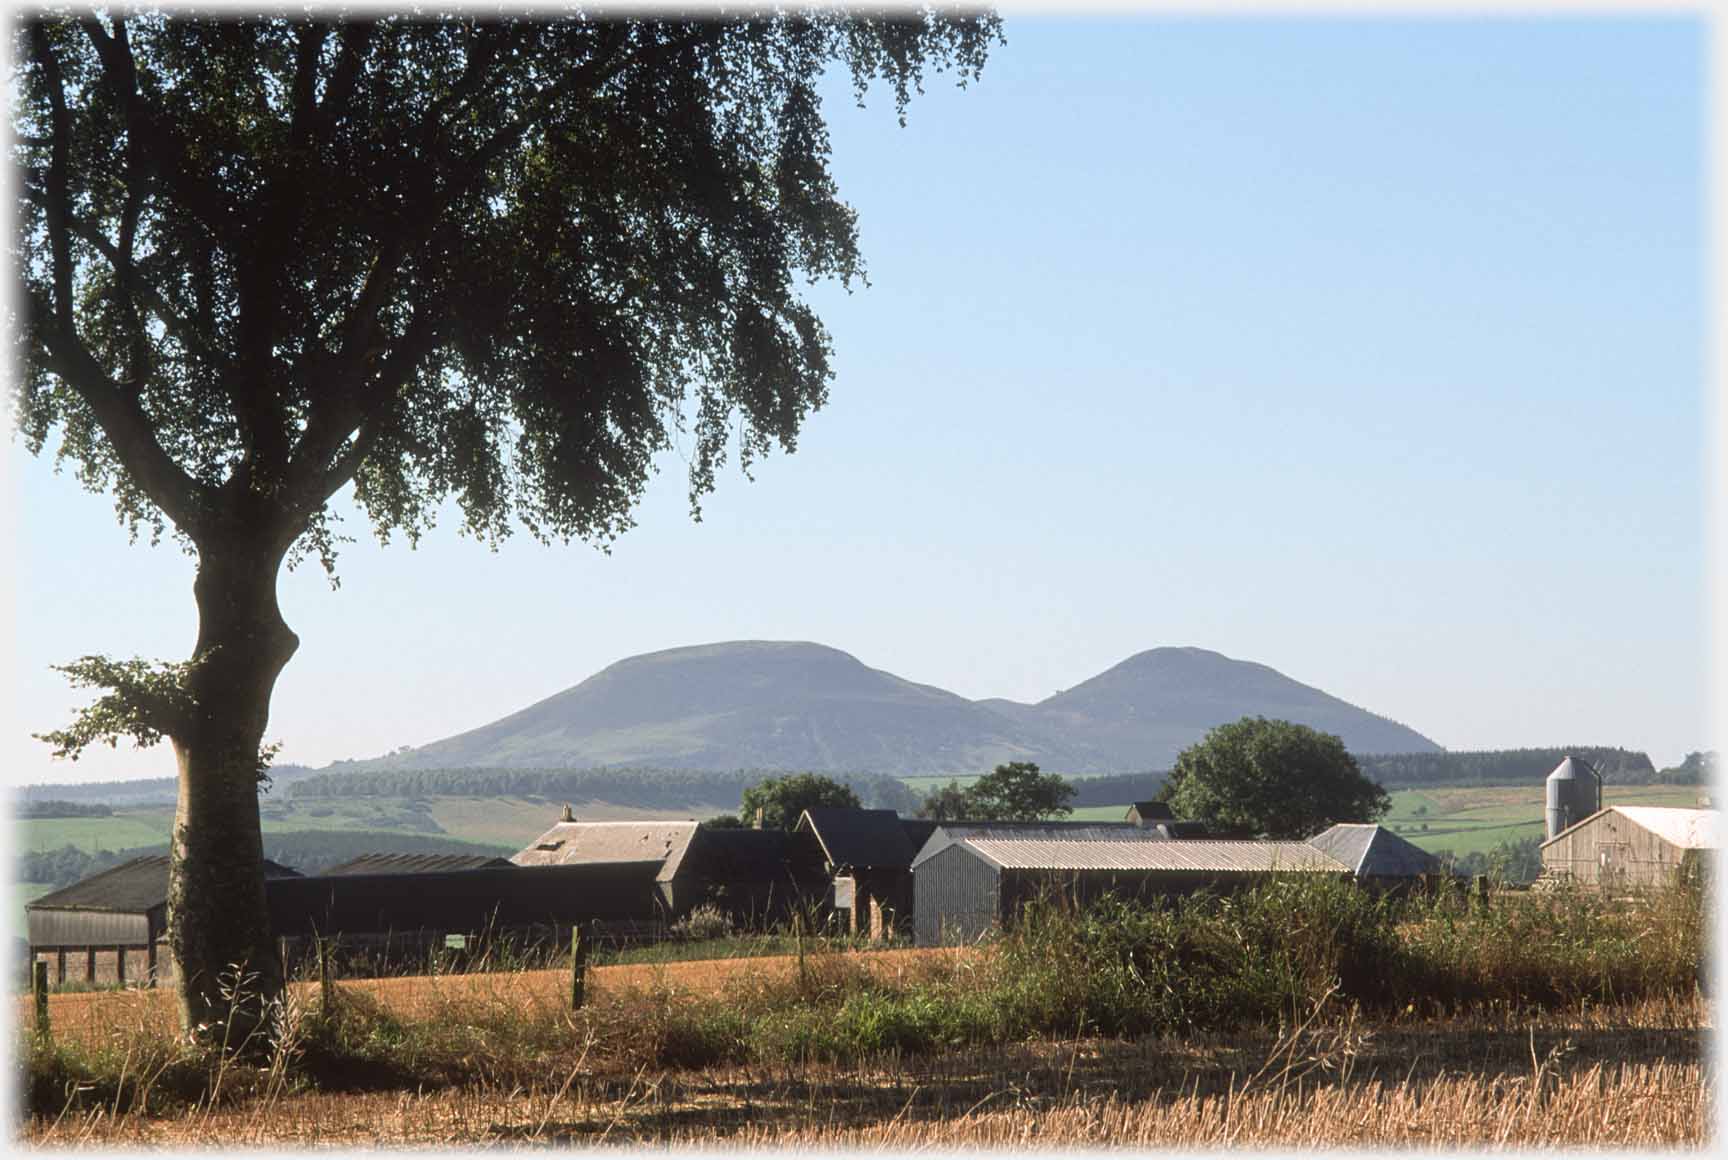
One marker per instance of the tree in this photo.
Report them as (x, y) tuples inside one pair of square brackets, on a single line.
[(1014, 792), (1273, 778), (782, 799), (1018, 792), (502, 259), (946, 803)]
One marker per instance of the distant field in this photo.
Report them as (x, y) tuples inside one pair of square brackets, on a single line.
[(124, 830), (1099, 813), (1478, 818)]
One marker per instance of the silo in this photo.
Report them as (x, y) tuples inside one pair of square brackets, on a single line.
[(1574, 793)]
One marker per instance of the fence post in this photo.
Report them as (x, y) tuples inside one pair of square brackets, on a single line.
[(798, 939), (39, 987), (326, 990), (579, 948)]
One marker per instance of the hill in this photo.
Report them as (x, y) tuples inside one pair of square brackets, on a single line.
[(1144, 711), (744, 704), (797, 705)]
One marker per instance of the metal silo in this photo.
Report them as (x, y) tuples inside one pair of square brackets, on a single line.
[(1574, 793)]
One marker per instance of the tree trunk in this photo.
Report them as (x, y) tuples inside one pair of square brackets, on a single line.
[(226, 966)]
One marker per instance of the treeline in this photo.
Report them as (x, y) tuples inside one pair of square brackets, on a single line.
[(308, 851), (55, 808), (642, 786), (1116, 789), (134, 791), (1503, 766)]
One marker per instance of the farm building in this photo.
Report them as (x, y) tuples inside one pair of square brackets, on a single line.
[(108, 927), (944, 834), (414, 863), (1633, 848), (1375, 855), (392, 917), (752, 874), (868, 856), (971, 883)]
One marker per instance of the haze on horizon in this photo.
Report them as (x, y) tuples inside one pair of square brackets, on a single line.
[(1369, 350)]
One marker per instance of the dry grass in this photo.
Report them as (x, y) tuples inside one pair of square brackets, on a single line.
[(1631, 1076)]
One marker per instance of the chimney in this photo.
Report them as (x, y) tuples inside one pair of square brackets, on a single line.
[(568, 815), (761, 812)]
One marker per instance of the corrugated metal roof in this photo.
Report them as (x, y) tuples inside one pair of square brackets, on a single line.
[(133, 887), (415, 863), (1200, 855), (1373, 851), (574, 843), (865, 839), (1687, 829), (947, 833)]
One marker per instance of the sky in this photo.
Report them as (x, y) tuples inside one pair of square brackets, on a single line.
[(1371, 350)]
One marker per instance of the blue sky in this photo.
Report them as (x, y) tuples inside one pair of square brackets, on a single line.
[(1370, 350)]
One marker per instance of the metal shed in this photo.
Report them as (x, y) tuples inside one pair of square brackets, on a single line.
[(1633, 847), (973, 884), (107, 928)]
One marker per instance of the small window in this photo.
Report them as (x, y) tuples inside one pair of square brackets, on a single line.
[(550, 845)]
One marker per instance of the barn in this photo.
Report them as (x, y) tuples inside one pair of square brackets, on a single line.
[(378, 921), (108, 928), (414, 863), (867, 856), (753, 875), (1631, 848), (971, 883)]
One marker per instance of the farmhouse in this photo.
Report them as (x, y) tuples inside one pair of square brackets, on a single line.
[(968, 883), (1629, 848), (108, 927)]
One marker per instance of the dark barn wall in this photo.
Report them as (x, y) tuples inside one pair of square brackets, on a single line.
[(468, 901), (956, 897)]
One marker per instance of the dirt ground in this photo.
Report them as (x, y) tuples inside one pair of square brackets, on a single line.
[(91, 1016)]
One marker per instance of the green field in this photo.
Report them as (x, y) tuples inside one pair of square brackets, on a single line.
[(124, 830)]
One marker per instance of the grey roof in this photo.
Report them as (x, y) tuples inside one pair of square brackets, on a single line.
[(1150, 811), (864, 839), (1200, 856), (947, 833), (1373, 851), (575, 843), (415, 863), (131, 887)]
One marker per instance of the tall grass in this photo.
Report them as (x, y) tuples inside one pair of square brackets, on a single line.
[(1266, 958)]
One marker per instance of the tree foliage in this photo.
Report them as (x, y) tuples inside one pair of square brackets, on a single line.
[(1271, 777), (1013, 792), (780, 800), (505, 260)]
